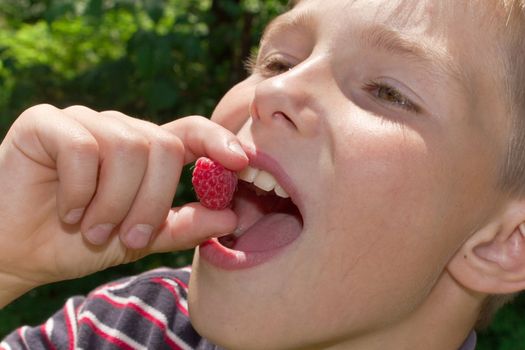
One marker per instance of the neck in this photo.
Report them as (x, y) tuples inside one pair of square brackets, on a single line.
[(442, 322)]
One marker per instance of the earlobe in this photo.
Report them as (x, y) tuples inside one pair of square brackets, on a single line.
[(492, 260)]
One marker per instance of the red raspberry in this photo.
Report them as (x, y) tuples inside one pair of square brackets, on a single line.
[(213, 183)]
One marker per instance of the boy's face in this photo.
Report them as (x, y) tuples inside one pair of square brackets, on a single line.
[(386, 117)]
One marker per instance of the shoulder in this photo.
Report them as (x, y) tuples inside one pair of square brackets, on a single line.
[(150, 308), (158, 281), (159, 291)]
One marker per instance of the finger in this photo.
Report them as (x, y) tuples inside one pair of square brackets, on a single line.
[(124, 155), (73, 150), (192, 224), (155, 196), (201, 136)]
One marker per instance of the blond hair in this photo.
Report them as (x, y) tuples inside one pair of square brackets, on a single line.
[(512, 177)]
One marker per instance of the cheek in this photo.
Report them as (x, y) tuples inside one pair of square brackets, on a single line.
[(232, 110), (385, 221), (388, 177)]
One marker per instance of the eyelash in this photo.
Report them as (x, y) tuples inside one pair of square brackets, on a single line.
[(390, 95), (380, 90), (268, 67)]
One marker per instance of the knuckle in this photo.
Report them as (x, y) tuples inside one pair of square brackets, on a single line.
[(197, 119), (84, 146), (129, 142), (77, 109), (38, 111), (113, 114), (170, 143)]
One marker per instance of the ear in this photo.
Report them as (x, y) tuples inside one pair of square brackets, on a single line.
[(492, 260)]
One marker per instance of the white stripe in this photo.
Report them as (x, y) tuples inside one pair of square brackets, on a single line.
[(49, 328), (154, 313), (4, 345), (23, 335), (182, 301), (137, 302), (181, 343), (112, 332), (120, 285), (186, 269), (72, 318)]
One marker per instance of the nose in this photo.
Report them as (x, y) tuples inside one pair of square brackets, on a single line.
[(293, 98)]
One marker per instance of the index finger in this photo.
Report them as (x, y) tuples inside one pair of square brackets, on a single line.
[(202, 137)]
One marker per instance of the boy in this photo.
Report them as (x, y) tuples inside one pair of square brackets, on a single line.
[(393, 126)]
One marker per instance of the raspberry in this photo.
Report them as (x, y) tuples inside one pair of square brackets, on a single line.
[(213, 183)]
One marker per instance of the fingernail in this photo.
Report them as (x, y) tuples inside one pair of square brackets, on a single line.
[(74, 216), (236, 148), (139, 235), (99, 234)]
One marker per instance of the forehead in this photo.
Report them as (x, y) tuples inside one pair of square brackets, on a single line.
[(458, 38), (440, 19), (423, 16)]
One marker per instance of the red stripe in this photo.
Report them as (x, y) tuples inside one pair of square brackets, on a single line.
[(184, 285), (174, 292), (135, 307), (70, 332), (171, 343), (143, 313), (106, 336), (46, 338)]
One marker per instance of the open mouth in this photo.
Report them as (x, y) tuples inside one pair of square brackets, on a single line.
[(268, 218)]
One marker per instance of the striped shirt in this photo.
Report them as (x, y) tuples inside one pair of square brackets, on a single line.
[(148, 311)]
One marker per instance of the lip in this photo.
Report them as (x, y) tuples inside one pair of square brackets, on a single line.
[(228, 259), (263, 161)]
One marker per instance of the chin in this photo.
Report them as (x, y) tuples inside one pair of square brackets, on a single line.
[(226, 310)]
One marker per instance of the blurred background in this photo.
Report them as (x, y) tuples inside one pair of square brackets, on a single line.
[(153, 59)]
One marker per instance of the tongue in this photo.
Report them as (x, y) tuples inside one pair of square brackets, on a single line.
[(270, 232), (261, 228)]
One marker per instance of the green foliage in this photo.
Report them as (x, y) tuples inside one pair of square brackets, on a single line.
[(155, 59), (507, 331)]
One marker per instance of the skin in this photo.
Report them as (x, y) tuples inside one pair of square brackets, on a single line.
[(390, 194), (405, 231), (121, 171)]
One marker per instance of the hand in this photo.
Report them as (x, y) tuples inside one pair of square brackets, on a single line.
[(83, 191)]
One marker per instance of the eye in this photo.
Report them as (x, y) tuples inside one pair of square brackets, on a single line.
[(270, 66), (275, 65), (392, 96)]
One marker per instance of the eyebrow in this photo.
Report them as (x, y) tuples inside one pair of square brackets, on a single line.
[(382, 37), (287, 21), (433, 59)]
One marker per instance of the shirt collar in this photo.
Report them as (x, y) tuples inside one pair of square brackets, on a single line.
[(470, 342)]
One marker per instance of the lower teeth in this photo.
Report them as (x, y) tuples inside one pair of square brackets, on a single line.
[(238, 232)]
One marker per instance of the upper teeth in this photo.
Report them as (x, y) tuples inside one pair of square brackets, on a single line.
[(262, 180)]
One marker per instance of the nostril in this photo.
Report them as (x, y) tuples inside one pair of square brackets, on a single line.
[(284, 117)]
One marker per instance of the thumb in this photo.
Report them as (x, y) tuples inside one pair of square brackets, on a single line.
[(190, 225)]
